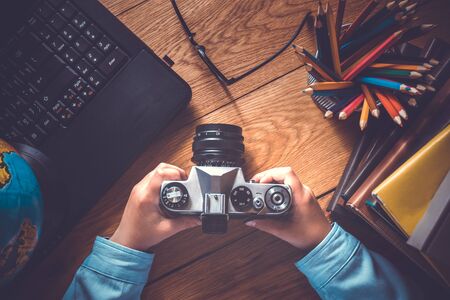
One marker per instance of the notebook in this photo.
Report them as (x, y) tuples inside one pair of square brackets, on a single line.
[(406, 193)]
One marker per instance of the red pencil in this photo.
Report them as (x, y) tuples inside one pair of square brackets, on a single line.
[(351, 107), (393, 113), (370, 57)]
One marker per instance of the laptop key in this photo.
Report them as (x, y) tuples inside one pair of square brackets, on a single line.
[(57, 44), (68, 97), (75, 105), (35, 111), (82, 44), (69, 33), (92, 32), (44, 32), (87, 93), (55, 3), (65, 116), (70, 55), (105, 44), (44, 10), (94, 56), (57, 21), (24, 124), (36, 135), (48, 123), (78, 85), (83, 67), (79, 21), (112, 62), (67, 10), (96, 79)]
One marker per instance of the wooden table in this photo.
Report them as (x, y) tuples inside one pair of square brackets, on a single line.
[(281, 126)]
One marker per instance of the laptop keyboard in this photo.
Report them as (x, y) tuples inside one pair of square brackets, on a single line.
[(51, 69)]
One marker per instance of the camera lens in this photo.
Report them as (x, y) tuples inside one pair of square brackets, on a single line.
[(219, 145)]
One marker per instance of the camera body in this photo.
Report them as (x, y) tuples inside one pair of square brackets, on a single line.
[(218, 193), (216, 189)]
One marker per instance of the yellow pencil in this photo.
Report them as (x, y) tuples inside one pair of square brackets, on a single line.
[(370, 101), (417, 68), (364, 115), (331, 24)]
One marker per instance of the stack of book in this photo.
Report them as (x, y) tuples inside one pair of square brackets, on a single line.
[(397, 181)]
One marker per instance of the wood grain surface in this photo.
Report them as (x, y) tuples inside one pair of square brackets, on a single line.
[(281, 127)]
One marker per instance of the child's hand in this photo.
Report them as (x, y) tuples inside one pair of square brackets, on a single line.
[(142, 224), (307, 226)]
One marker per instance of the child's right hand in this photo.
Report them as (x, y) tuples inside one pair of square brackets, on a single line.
[(307, 226)]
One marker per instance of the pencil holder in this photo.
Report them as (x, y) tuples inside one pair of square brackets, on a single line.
[(367, 65)]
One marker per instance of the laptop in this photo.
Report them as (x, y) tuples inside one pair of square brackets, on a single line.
[(81, 90)]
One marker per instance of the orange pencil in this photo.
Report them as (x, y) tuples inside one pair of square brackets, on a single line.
[(393, 113), (370, 57), (396, 104), (351, 107)]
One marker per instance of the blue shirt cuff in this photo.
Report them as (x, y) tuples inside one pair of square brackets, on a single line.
[(119, 262), (328, 258)]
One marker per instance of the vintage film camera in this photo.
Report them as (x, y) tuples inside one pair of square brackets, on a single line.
[(216, 189)]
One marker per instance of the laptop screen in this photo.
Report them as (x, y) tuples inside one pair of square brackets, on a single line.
[(12, 16)]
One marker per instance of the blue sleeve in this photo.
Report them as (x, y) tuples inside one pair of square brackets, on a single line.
[(111, 271), (340, 267)]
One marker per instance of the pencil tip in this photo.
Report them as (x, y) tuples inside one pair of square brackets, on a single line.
[(412, 102), (403, 114), (398, 120), (433, 61), (308, 91), (328, 114), (376, 113), (342, 115), (415, 75), (428, 66)]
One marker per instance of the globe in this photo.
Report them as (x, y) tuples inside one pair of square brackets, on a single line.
[(21, 211)]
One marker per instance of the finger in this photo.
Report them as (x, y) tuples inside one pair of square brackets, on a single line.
[(165, 165)]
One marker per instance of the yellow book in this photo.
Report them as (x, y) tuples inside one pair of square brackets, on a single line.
[(406, 193)]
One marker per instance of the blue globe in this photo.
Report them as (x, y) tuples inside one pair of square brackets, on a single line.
[(21, 211)]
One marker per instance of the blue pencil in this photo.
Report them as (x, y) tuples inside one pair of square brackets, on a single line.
[(341, 104), (389, 84)]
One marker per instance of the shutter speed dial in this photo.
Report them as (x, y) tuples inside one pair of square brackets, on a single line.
[(278, 198), (241, 197), (174, 195)]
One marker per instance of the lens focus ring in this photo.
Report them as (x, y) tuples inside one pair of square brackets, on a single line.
[(218, 145)]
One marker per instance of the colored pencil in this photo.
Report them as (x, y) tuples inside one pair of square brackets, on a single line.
[(340, 17), (329, 93), (389, 58), (333, 39), (370, 101), (364, 118), (410, 67), (389, 84), (417, 31), (386, 11), (370, 57), (396, 104), (351, 58), (351, 107), (359, 19), (392, 112), (354, 44), (323, 70), (322, 41), (317, 86), (390, 73)]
